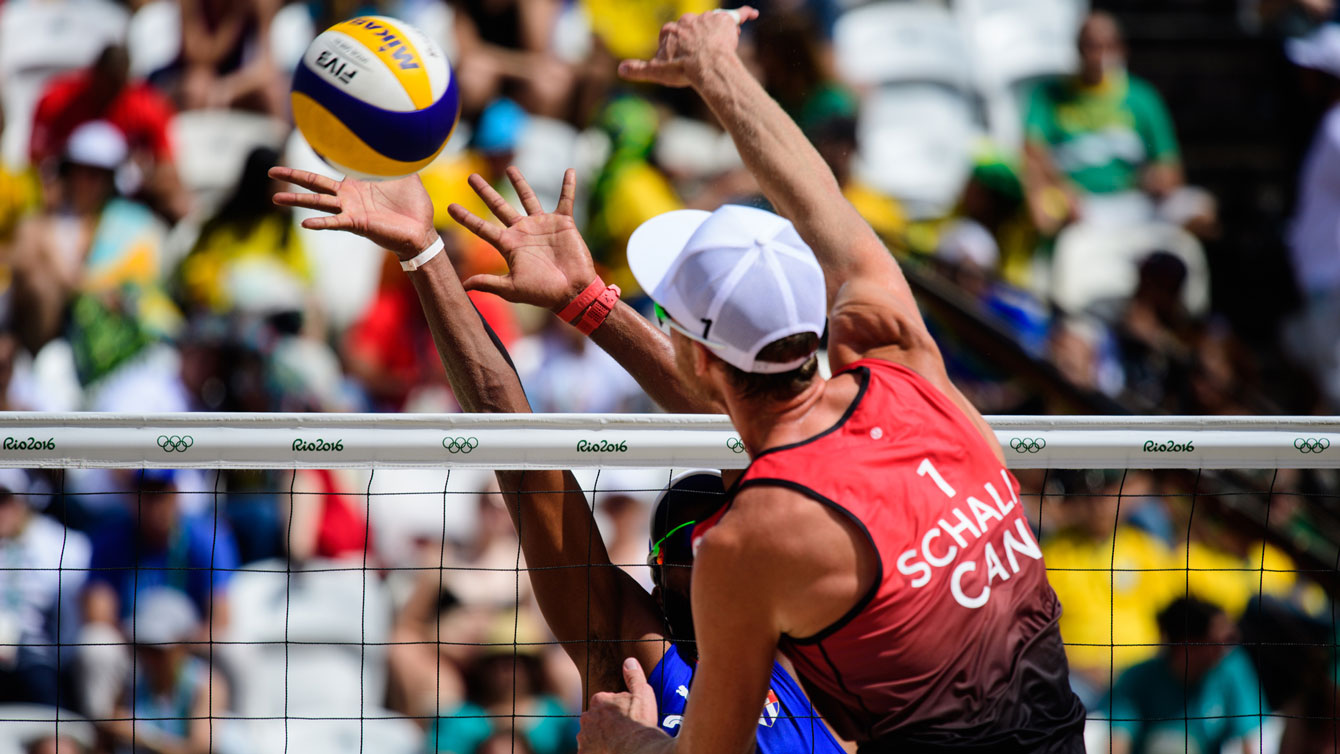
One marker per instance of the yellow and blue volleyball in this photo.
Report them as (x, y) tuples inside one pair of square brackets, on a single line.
[(375, 97)]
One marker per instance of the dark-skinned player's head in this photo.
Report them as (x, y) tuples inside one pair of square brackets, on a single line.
[(692, 497)]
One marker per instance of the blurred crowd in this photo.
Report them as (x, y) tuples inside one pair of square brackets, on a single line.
[(1001, 148)]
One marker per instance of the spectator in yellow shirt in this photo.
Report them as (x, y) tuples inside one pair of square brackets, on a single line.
[(1112, 577)]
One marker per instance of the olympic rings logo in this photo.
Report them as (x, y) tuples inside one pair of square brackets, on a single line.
[(175, 443), (1311, 444), (735, 445), (1027, 444), (459, 444)]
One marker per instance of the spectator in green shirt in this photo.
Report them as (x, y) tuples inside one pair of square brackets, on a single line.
[(1200, 694), (1100, 133)]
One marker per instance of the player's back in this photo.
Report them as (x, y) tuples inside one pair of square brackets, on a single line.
[(956, 643)]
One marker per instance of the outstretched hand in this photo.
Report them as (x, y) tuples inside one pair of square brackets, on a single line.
[(548, 262), (688, 46), (396, 215)]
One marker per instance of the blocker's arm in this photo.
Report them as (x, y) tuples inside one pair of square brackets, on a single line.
[(699, 51), (872, 311), (591, 606)]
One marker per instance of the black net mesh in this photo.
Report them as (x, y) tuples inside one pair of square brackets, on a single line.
[(351, 611)]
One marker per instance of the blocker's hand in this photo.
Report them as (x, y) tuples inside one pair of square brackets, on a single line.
[(616, 723), (688, 47), (396, 215), (548, 262)]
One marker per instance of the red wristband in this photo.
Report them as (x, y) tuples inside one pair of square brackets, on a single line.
[(583, 300), (599, 310)]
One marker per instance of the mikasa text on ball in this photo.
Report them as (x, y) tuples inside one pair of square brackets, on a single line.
[(375, 97)]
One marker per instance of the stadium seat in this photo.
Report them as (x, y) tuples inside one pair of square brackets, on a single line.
[(56, 36), (437, 21), (212, 146), (345, 267), (1094, 266), (695, 150), (547, 148), (887, 42), (154, 37), (1012, 44), (290, 33), (339, 619), (24, 725), (39, 40), (402, 512), (915, 145)]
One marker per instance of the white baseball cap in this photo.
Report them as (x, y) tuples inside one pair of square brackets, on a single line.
[(1319, 50), (98, 144), (163, 615), (735, 280)]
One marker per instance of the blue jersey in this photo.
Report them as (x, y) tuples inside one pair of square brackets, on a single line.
[(786, 724)]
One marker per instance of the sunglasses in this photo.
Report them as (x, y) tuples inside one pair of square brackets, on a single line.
[(657, 555), (667, 323)]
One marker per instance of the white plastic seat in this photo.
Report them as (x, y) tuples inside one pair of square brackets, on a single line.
[(212, 146), (22, 725), (39, 40), (154, 37), (546, 149), (915, 145), (419, 504), (337, 620), (291, 32), (55, 36), (888, 42), (345, 268), (1094, 265), (1013, 44)]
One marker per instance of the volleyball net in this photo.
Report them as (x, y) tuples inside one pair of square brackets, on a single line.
[(283, 582)]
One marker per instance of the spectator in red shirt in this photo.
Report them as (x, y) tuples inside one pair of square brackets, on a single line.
[(104, 91), (390, 349)]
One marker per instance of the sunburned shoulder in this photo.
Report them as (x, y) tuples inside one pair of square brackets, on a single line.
[(765, 521)]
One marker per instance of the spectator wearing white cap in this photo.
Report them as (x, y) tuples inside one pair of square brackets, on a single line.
[(1314, 234), (88, 266), (175, 695), (50, 247), (42, 569)]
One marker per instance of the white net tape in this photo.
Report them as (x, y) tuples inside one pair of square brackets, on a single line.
[(490, 441)]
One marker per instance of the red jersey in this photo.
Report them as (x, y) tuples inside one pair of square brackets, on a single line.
[(139, 112), (955, 647)]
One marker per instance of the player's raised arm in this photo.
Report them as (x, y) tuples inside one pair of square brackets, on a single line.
[(558, 534), (700, 51)]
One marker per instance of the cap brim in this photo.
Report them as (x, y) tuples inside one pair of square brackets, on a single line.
[(656, 244)]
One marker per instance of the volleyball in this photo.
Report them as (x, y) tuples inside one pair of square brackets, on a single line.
[(375, 97)]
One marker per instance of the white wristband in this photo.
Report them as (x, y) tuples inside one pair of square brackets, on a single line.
[(423, 257)]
